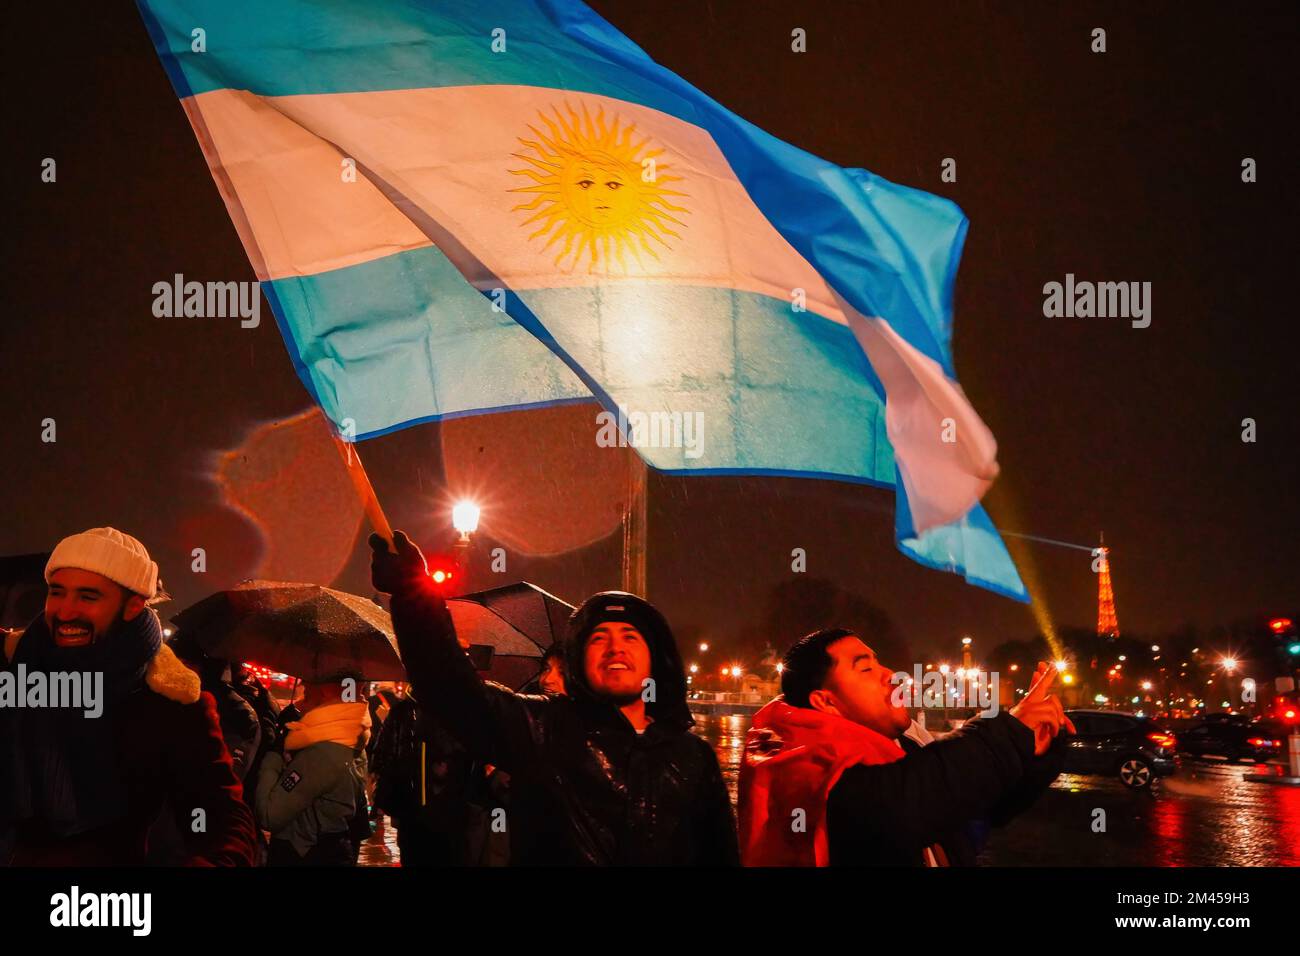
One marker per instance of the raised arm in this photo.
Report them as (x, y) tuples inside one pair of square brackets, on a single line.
[(491, 722)]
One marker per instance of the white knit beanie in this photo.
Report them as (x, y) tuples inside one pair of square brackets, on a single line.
[(107, 551)]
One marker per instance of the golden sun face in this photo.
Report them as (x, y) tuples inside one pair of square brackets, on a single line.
[(598, 194)]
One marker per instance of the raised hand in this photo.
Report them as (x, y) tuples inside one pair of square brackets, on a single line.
[(1040, 711), (389, 571)]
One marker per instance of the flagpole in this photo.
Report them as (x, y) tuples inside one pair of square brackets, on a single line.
[(365, 491), (635, 527)]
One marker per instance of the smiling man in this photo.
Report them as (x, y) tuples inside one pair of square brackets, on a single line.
[(77, 790), (835, 774), (608, 774)]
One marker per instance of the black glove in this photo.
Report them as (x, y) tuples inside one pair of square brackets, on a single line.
[(391, 573)]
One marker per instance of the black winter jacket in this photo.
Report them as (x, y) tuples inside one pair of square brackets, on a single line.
[(944, 793), (585, 787)]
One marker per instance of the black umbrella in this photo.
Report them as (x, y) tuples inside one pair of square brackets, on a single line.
[(509, 629), (22, 588), (308, 631)]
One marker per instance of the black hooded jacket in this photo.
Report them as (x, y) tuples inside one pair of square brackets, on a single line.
[(586, 788)]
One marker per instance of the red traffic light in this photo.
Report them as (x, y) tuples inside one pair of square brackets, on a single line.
[(1280, 625)]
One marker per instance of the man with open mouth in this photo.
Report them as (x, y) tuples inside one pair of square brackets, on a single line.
[(607, 774), (76, 791)]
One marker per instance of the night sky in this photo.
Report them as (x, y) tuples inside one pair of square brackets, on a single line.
[(1122, 166)]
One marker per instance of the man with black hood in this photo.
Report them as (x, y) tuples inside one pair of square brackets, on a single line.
[(609, 774)]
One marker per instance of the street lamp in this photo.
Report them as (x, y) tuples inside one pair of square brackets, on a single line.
[(464, 518), (704, 647)]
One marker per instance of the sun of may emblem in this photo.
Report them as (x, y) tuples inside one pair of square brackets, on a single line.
[(599, 193)]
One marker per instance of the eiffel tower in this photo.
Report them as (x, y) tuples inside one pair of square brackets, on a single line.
[(1107, 622)]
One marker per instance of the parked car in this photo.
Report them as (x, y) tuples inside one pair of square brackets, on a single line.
[(1232, 740), (1113, 743)]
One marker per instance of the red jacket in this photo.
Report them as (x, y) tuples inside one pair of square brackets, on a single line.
[(793, 757), (172, 755)]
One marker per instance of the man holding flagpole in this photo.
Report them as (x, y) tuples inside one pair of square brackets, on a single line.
[(610, 773)]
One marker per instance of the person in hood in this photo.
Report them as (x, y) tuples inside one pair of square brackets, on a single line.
[(610, 773), (311, 793), (82, 790), (835, 774)]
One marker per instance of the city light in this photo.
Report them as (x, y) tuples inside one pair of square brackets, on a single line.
[(1067, 678), (943, 668), (464, 518), (966, 641), (1146, 685), (1061, 665), (695, 668), (1229, 664), (704, 647)]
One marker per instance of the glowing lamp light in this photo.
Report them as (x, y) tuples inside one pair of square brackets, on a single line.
[(1015, 667), (943, 668), (1067, 678), (966, 641), (1229, 664), (440, 576), (464, 518), (1146, 685), (780, 667), (735, 672), (1061, 665), (695, 668), (704, 647)]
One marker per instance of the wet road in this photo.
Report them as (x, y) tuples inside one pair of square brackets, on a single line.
[(1205, 815)]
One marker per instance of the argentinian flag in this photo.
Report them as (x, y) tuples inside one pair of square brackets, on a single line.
[(463, 207)]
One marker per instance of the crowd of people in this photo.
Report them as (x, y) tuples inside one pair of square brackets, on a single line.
[(193, 762)]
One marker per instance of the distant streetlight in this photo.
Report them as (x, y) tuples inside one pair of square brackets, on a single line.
[(1061, 665), (1155, 648), (464, 518), (966, 641), (695, 668), (943, 668), (1229, 664), (1015, 667), (704, 647), (780, 667), (1146, 685), (1123, 657), (735, 672)]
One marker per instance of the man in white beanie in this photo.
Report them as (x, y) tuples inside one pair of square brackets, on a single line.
[(83, 788)]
